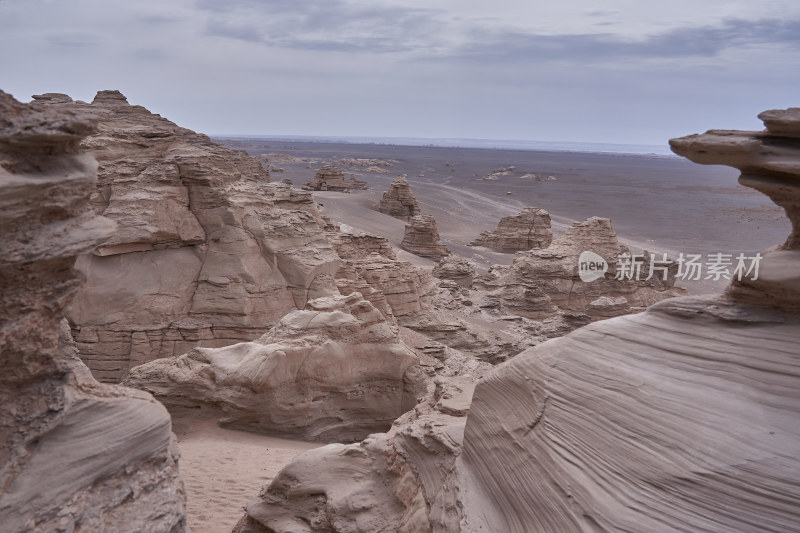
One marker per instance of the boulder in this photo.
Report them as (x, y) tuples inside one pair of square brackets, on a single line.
[(333, 371), (455, 268)]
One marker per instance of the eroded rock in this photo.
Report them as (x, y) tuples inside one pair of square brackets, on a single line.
[(74, 454), (529, 229), (421, 237), (398, 201), (333, 371)]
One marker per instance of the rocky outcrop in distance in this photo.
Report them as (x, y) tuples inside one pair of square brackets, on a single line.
[(421, 237), (74, 454), (541, 282), (398, 201), (529, 229), (207, 251), (333, 371), (331, 178)]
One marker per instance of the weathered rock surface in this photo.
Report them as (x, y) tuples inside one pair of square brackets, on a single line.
[(455, 268), (681, 418), (74, 454), (529, 229), (333, 371), (607, 307), (421, 237), (398, 201), (539, 283), (330, 178), (662, 421), (208, 253)]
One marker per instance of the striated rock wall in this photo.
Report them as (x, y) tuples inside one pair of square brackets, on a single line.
[(74, 454), (681, 418), (529, 229), (421, 237), (208, 253), (398, 201)]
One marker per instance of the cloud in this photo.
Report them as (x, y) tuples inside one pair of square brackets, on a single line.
[(323, 25), (706, 41)]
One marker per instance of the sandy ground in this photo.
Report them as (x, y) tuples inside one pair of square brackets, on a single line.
[(224, 469)]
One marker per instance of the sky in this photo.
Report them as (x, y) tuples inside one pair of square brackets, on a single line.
[(618, 71)]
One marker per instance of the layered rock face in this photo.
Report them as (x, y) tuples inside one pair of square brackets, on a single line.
[(541, 282), (330, 178), (529, 229), (421, 237), (663, 421), (208, 253), (333, 371), (74, 454), (398, 201), (456, 269)]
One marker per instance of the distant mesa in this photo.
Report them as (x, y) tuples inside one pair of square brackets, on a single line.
[(398, 201), (422, 238), (330, 178), (527, 230)]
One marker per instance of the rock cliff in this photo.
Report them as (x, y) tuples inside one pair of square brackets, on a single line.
[(208, 252), (74, 454)]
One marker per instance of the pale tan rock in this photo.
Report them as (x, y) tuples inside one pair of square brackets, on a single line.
[(333, 371), (662, 421), (607, 307), (455, 268), (330, 178), (529, 229), (398, 201), (74, 454), (208, 253), (421, 237), (541, 282)]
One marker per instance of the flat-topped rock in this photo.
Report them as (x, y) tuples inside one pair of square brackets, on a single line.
[(422, 238), (331, 178), (529, 229)]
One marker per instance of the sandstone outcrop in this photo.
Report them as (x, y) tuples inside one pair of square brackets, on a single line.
[(689, 406), (541, 282), (456, 269), (330, 178), (529, 229), (421, 237), (680, 418), (333, 371), (398, 201), (74, 454), (207, 252)]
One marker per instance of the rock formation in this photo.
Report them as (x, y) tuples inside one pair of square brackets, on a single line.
[(330, 178), (540, 282), (208, 253), (681, 418), (422, 238), (332, 372), (398, 201), (455, 268), (529, 229), (74, 454)]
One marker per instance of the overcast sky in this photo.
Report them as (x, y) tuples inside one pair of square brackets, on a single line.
[(617, 71)]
